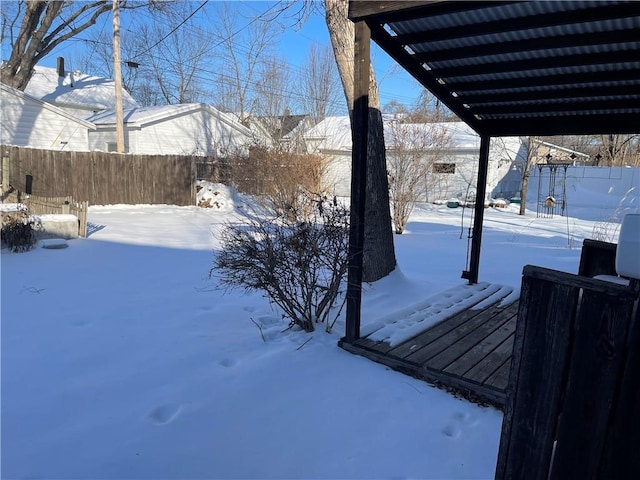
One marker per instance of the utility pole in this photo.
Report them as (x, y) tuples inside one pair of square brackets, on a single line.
[(117, 77)]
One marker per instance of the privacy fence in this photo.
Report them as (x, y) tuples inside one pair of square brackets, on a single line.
[(101, 178)]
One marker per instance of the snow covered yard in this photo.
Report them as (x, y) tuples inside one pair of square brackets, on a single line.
[(120, 360)]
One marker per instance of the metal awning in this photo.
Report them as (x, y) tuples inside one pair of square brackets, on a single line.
[(519, 68)]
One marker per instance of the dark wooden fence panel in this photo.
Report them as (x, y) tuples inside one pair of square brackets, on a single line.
[(621, 456), (538, 364), (597, 258), (104, 178), (601, 332), (574, 391)]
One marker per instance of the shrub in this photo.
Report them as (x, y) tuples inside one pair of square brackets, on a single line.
[(298, 261), (18, 231)]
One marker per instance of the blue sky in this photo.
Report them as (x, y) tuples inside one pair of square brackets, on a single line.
[(393, 82)]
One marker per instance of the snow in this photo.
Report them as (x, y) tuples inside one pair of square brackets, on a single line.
[(333, 133), (12, 207), (76, 89), (121, 358)]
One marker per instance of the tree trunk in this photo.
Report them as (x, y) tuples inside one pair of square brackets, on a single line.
[(523, 193), (526, 171), (379, 253)]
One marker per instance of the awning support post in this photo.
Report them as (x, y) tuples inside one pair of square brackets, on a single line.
[(360, 134), (478, 216)]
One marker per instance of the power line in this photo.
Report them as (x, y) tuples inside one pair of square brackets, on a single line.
[(174, 30)]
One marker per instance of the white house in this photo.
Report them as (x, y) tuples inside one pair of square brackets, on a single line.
[(185, 129), (75, 92), (455, 165), (30, 122)]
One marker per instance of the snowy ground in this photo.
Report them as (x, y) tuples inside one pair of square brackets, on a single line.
[(121, 361)]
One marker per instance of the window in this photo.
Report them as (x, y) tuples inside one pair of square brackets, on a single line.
[(112, 147), (444, 168)]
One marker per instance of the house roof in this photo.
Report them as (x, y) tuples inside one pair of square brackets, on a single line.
[(519, 68), (75, 90), (142, 116), (57, 110), (334, 133)]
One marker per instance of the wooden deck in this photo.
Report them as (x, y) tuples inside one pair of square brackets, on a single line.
[(468, 353)]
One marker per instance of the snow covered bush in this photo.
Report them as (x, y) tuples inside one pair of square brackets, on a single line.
[(299, 262), (18, 231)]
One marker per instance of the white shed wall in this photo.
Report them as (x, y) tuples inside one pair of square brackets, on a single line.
[(29, 123), (197, 133)]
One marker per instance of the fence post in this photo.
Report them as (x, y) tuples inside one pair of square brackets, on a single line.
[(5, 174)]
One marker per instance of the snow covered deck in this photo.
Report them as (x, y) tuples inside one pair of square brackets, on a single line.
[(469, 352)]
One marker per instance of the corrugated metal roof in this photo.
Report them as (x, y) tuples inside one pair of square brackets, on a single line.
[(520, 68)]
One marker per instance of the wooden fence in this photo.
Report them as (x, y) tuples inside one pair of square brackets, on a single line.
[(59, 205), (52, 205), (573, 402), (102, 178)]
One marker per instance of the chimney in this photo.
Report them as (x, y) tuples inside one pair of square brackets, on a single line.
[(60, 67)]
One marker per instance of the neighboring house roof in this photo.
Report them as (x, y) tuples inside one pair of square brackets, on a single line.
[(75, 90), (565, 150), (142, 116), (334, 134), (6, 89), (259, 131)]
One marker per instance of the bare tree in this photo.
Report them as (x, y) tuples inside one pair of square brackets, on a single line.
[(176, 67), (98, 59), (43, 26), (531, 153), (320, 84), (414, 148), (239, 61), (379, 254), (275, 97), (618, 149)]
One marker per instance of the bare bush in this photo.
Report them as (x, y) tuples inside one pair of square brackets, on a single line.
[(281, 179), (414, 149), (18, 231), (299, 263)]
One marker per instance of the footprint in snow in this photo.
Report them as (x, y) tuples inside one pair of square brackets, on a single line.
[(451, 431), (460, 420), (228, 362), (80, 322), (164, 414)]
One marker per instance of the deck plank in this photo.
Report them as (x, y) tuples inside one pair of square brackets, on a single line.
[(425, 353), (492, 362), (469, 353), (480, 351), (500, 379), (434, 333), (476, 337)]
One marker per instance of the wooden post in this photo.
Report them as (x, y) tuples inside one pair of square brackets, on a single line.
[(6, 171), (360, 135), (478, 216), (117, 77)]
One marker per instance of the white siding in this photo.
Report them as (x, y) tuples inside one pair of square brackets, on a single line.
[(99, 139), (337, 177), (442, 186), (196, 133), (27, 122)]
